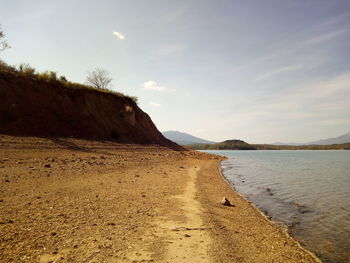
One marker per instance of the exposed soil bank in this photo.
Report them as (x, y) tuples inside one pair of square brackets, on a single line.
[(69, 200), (31, 107)]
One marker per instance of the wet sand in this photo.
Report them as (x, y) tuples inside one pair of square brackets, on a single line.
[(67, 200)]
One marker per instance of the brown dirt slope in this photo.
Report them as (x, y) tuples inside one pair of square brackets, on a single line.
[(32, 107)]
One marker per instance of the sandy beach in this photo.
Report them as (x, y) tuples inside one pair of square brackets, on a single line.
[(69, 200)]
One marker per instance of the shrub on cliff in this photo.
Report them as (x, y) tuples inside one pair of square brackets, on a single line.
[(99, 79), (3, 42), (26, 69), (48, 76), (4, 67)]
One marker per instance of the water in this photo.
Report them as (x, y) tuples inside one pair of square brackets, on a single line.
[(306, 191)]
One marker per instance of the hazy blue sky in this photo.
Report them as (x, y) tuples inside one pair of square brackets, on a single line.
[(261, 71)]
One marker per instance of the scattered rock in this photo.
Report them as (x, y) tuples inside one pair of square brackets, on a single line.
[(302, 208), (47, 165), (181, 228), (187, 235), (226, 202), (7, 222), (269, 191)]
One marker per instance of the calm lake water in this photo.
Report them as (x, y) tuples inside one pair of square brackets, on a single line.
[(306, 191)]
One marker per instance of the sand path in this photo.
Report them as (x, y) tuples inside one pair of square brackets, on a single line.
[(188, 240)]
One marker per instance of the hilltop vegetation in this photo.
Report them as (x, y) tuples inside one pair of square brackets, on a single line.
[(25, 70), (226, 145), (242, 145)]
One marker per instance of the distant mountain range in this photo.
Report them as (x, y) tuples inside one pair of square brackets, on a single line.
[(188, 139), (184, 138), (336, 140)]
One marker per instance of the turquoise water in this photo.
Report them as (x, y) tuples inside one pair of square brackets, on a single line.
[(306, 191)]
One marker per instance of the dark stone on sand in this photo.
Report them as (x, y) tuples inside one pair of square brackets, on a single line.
[(226, 202), (269, 191)]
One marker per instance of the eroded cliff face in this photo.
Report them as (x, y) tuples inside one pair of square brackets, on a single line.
[(31, 107)]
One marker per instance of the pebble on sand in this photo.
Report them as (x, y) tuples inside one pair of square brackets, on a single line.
[(226, 202)]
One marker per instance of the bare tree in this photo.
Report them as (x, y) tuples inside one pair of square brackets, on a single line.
[(99, 78), (3, 42)]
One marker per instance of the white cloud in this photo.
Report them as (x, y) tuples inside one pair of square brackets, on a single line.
[(119, 35), (331, 122), (337, 19), (154, 104), (325, 100), (326, 37), (152, 85), (327, 87), (278, 70)]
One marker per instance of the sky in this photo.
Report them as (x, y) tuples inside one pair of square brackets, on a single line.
[(261, 71)]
